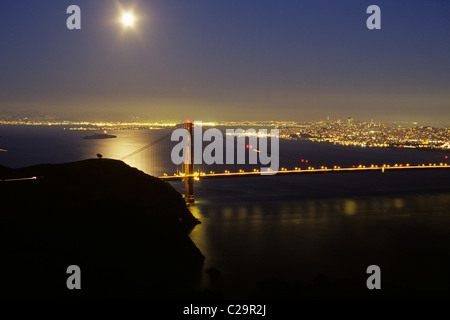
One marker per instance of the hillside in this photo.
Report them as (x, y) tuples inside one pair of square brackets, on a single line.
[(127, 231)]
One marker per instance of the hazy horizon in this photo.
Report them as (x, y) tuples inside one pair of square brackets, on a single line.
[(123, 117)]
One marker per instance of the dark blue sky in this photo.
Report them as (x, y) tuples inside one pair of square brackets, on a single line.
[(229, 59)]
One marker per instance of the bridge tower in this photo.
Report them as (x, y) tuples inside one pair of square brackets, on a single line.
[(189, 165)]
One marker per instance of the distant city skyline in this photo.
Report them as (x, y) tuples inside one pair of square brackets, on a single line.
[(114, 116), (35, 117), (223, 60)]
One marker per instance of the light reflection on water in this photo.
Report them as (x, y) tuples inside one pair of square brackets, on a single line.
[(31, 145), (339, 237)]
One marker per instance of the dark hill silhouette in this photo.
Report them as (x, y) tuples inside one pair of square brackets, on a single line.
[(127, 231), (4, 170)]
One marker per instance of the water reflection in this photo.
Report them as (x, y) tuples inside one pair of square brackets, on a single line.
[(338, 237), (154, 160), (399, 203), (350, 207)]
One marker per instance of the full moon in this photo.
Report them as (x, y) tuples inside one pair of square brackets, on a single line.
[(128, 19)]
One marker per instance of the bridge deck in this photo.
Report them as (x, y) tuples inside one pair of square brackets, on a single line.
[(304, 171)]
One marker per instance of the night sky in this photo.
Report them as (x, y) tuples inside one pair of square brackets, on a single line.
[(208, 60)]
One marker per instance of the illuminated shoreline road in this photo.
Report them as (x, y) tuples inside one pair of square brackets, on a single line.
[(310, 170), (18, 179)]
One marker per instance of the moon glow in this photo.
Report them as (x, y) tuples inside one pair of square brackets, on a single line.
[(128, 19)]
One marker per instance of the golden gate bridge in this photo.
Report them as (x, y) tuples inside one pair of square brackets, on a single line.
[(189, 172)]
